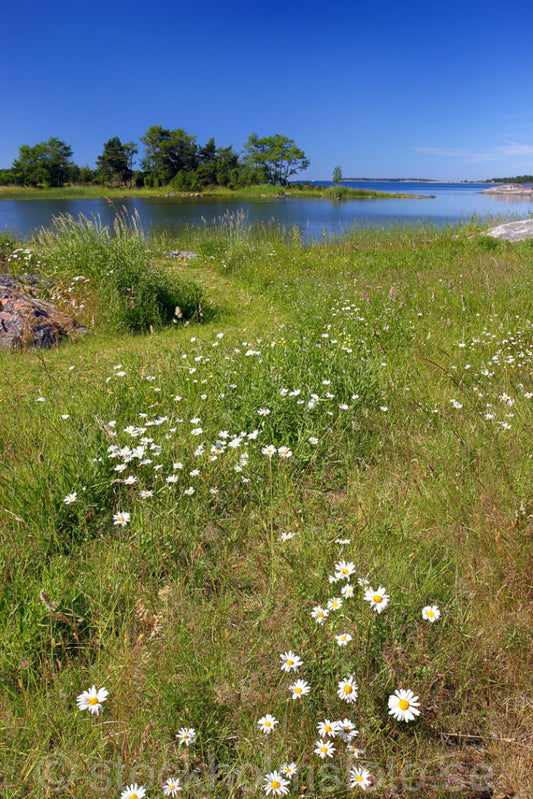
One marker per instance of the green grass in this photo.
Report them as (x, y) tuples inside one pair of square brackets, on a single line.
[(396, 367)]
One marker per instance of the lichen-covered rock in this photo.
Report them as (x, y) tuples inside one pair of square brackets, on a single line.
[(512, 231), (26, 321)]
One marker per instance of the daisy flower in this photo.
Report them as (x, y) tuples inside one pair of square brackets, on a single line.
[(289, 769), (324, 749), (133, 791), (290, 661), (403, 705), (378, 599), (327, 728), (267, 723), (186, 735), (146, 494), (121, 518), (348, 689), (344, 569), (70, 498), (343, 639), (431, 613), (346, 729), (319, 614), (284, 452), (269, 450), (299, 688), (335, 603), (171, 787), (275, 784), (347, 591), (92, 699), (359, 778), (189, 491)]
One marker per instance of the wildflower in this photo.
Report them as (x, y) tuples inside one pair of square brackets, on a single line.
[(327, 728), (299, 688), (172, 478), (289, 769), (324, 749), (359, 778), (269, 450), (92, 699), (130, 480), (146, 494), (290, 661), (121, 518), (335, 603), (133, 791), (284, 452), (171, 787), (189, 491), (319, 614), (403, 705), (347, 591), (286, 536), (344, 569), (378, 599), (267, 723), (186, 735), (346, 729), (196, 431), (343, 639), (431, 613), (313, 440), (70, 498), (275, 784), (348, 689), (263, 411)]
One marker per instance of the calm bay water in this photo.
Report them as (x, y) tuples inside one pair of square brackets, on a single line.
[(452, 203)]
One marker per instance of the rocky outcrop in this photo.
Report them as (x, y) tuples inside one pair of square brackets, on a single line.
[(512, 231), (26, 321), (510, 190)]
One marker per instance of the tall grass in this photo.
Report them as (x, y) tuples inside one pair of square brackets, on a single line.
[(131, 291)]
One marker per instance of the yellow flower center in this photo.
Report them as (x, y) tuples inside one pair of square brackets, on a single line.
[(320, 613), (347, 689), (134, 796), (345, 571), (430, 614), (267, 724), (378, 598), (171, 787), (403, 704), (275, 784), (298, 690), (93, 700), (359, 778), (290, 663), (324, 749)]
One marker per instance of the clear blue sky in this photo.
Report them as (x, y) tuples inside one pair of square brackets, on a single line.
[(384, 88)]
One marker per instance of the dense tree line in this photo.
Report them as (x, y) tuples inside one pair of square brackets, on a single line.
[(171, 158), (518, 179)]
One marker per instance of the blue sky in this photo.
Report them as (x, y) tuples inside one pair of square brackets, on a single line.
[(382, 88)]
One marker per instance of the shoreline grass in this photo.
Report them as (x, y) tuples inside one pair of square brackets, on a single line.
[(365, 400), (266, 191)]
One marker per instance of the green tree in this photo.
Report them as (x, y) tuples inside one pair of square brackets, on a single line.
[(48, 162), (168, 152), (337, 174), (277, 156), (113, 164)]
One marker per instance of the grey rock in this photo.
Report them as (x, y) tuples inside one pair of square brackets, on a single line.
[(510, 189), (512, 231), (183, 254)]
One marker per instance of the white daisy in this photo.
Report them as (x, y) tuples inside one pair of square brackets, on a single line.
[(343, 639), (431, 613), (289, 769), (346, 729), (70, 498), (327, 728), (299, 688), (319, 614), (335, 603), (378, 599), (344, 569), (403, 705), (348, 689), (324, 748), (171, 787), (347, 591), (133, 791), (267, 724), (359, 778), (290, 661), (92, 699), (275, 784), (121, 518), (186, 735)]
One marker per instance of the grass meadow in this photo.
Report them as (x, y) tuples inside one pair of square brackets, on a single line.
[(233, 520)]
